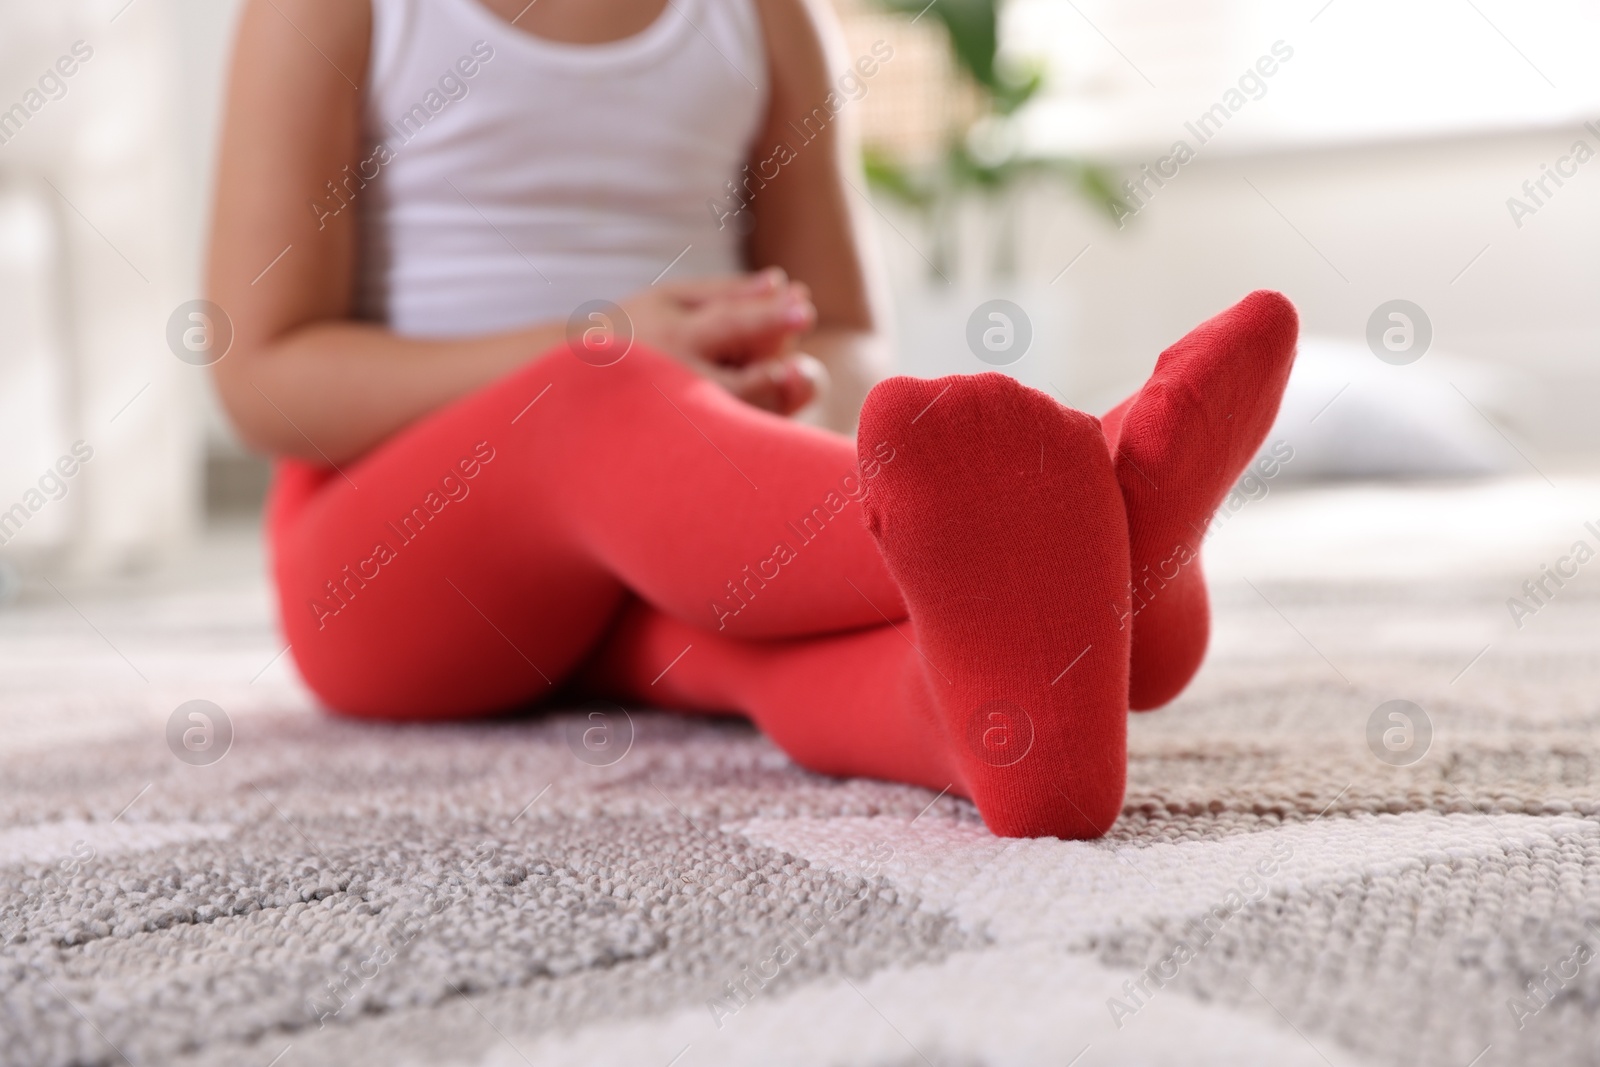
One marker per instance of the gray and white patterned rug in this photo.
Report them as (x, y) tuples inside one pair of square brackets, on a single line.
[(1283, 886)]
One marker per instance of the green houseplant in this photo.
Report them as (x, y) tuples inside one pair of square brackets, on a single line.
[(981, 155)]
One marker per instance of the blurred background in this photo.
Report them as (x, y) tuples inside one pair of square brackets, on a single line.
[(1378, 161)]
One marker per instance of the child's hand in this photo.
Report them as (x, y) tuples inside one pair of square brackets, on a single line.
[(738, 331)]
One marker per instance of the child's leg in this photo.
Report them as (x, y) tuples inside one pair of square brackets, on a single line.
[(1179, 444), (470, 562), (1001, 519)]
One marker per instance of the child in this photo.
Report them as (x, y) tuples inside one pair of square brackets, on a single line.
[(494, 483)]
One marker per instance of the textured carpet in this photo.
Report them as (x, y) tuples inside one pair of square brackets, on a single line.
[(1275, 892)]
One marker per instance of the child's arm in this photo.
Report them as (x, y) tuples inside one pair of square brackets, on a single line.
[(808, 219), (304, 379)]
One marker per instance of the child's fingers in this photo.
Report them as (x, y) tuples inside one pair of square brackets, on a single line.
[(781, 386), (744, 329), (699, 290)]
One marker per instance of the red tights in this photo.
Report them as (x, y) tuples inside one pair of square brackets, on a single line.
[(638, 531)]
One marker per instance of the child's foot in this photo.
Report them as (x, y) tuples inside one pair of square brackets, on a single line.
[(1179, 444), (1001, 520)]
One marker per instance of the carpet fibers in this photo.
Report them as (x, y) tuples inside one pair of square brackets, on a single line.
[(1290, 881)]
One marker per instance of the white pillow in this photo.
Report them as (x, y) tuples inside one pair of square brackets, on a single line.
[(1348, 414)]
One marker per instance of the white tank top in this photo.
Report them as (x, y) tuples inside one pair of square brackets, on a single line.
[(509, 178)]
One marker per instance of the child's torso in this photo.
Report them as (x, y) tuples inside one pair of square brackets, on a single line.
[(505, 179)]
